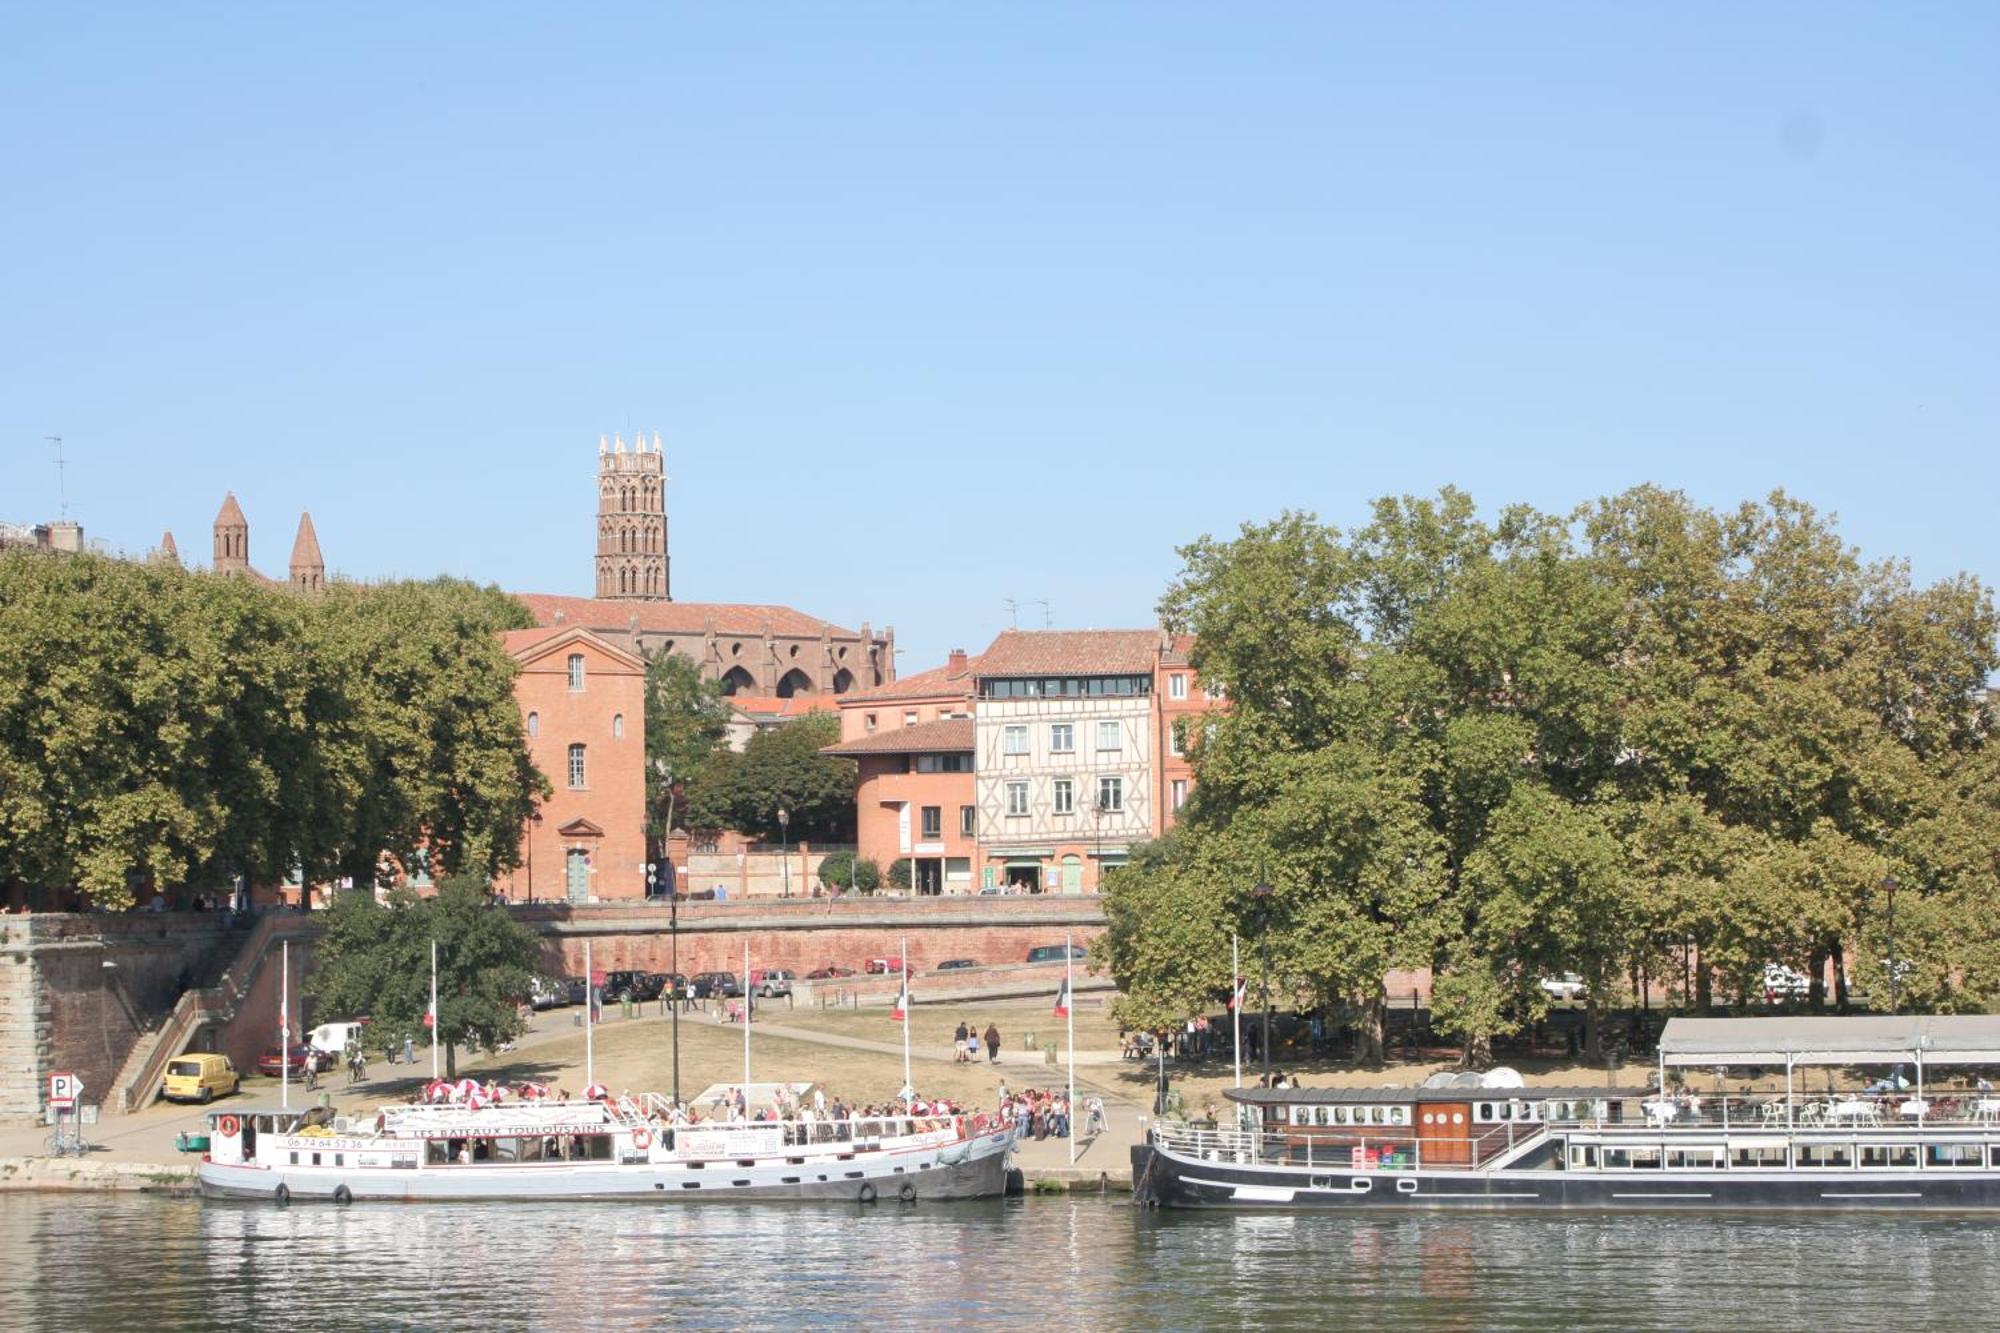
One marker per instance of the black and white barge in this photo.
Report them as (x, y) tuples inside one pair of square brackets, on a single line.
[(1467, 1142)]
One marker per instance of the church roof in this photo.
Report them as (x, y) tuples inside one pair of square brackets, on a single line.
[(231, 513), (1071, 652), (618, 616), (305, 547)]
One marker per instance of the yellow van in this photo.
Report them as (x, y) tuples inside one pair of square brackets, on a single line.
[(196, 1077)]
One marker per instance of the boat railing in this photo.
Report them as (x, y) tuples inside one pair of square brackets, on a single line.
[(1899, 1109), (1371, 1148)]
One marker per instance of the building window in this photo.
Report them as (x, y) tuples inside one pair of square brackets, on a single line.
[(1180, 793), (1017, 798), (1177, 686), (910, 718), (618, 728), (1111, 795), (1016, 740), (933, 821), (576, 773), (534, 725), (576, 671), (1065, 796), (1110, 736), (868, 721), (968, 819), (1062, 737), (944, 763), (1173, 739)]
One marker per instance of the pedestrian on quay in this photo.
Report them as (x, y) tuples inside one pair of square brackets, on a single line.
[(992, 1044), (409, 1049), (958, 1044)]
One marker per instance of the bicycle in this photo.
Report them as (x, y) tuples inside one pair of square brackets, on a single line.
[(67, 1141)]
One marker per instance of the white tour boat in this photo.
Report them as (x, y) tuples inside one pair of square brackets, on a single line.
[(623, 1148)]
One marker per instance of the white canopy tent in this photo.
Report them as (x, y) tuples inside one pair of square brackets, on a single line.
[(1873, 1039)]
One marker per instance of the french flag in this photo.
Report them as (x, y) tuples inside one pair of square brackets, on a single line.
[(1062, 1000), (1236, 997), (902, 1008)]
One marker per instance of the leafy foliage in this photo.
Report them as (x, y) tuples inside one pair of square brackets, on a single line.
[(850, 873), (781, 769), (686, 723)]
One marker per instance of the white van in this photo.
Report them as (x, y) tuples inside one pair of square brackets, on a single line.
[(332, 1038)]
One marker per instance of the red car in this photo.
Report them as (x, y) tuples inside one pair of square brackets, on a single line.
[(829, 973), (273, 1063)]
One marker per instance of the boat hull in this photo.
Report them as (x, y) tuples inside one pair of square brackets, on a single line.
[(979, 1171), (1173, 1181)]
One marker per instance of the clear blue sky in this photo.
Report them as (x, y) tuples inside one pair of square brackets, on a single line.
[(939, 304)]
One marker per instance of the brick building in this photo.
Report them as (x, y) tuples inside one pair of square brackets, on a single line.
[(583, 709)]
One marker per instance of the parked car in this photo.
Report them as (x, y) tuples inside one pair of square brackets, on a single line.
[(547, 993), (627, 985), (955, 965), (1053, 953), (199, 1077), (875, 967), (1567, 989), (774, 981), (829, 973), (716, 985), (329, 1040), (298, 1056), (574, 990), (1782, 982)]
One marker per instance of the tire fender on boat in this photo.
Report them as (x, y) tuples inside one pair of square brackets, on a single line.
[(341, 1195), (867, 1192), (642, 1139), (283, 1194), (907, 1191), (229, 1126)]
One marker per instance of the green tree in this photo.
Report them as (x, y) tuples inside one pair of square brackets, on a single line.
[(375, 959), (783, 769), (850, 873), (686, 722), (899, 874)]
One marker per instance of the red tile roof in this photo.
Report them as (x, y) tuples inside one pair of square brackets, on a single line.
[(947, 735), (616, 616), (1071, 652), (950, 681), (523, 644), (758, 705), (1179, 648)]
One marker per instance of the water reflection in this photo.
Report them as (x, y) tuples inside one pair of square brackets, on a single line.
[(104, 1262)]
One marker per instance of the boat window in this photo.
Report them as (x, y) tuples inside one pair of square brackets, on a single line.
[(1323, 1115), (1302, 1115), (1758, 1155), (1955, 1154), (1996, 1155), (1344, 1115), (1826, 1154), (1617, 1159), (1885, 1155), (1399, 1115), (1583, 1154), (1483, 1112), (1694, 1159)]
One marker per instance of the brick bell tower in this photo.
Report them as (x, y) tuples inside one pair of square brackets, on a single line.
[(631, 521)]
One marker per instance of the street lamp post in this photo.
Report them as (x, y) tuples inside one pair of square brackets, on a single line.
[(785, 848), (534, 822), (673, 965), (1261, 891), (1889, 887)]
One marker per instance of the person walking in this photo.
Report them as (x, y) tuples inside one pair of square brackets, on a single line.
[(958, 1044), (992, 1044)]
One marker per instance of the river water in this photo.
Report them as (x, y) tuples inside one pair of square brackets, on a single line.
[(135, 1262)]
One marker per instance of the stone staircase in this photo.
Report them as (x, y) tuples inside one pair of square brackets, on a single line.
[(213, 1000)]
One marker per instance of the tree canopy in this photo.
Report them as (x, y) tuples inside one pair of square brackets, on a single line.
[(780, 769), (375, 959), (1640, 739), (686, 722), (167, 728)]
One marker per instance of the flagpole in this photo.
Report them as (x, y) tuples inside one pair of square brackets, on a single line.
[(434, 1009), (589, 1020), (906, 1018), (285, 1029), (1236, 1005), (746, 1025), (1069, 1017)]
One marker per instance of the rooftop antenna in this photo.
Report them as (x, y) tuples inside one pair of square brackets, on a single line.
[(1048, 620), (62, 481), (1013, 612)]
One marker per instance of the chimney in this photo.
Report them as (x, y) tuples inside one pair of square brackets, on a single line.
[(957, 660)]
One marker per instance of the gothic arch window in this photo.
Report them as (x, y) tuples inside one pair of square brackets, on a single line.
[(617, 726), (794, 682), (843, 681), (735, 680), (534, 725)]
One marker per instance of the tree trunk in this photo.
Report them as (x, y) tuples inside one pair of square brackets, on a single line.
[(451, 1059), (1593, 1047), (1816, 979), (1840, 996), (1376, 1031), (1704, 984)]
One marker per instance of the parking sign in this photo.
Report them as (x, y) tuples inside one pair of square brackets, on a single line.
[(64, 1089)]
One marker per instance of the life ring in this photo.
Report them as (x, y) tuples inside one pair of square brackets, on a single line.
[(867, 1192), (907, 1191), (341, 1195), (642, 1138), (283, 1194), (230, 1126)]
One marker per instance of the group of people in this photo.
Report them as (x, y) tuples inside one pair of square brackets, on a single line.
[(966, 1040), (1041, 1113)]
